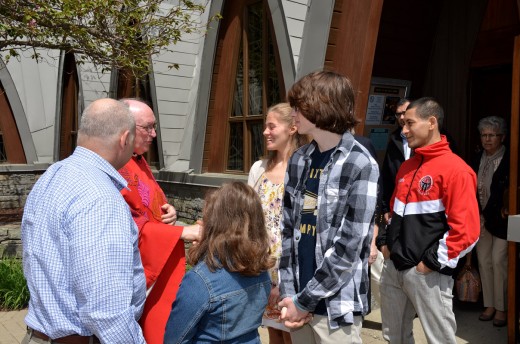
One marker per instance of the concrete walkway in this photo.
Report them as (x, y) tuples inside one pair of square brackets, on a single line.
[(470, 329), (12, 327)]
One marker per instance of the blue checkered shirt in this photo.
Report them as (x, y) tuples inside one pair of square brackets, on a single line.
[(347, 196), (80, 253)]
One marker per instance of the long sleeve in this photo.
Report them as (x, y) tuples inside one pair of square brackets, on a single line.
[(191, 305), (344, 259), (80, 255), (102, 278), (160, 245), (256, 172), (287, 276), (463, 222), (157, 240), (393, 159)]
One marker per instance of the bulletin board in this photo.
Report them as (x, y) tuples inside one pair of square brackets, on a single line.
[(380, 119)]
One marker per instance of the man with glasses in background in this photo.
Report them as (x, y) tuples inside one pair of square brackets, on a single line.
[(396, 152), (160, 244), (434, 223)]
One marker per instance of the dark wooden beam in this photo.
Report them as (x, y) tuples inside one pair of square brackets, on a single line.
[(352, 46), (512, 316)]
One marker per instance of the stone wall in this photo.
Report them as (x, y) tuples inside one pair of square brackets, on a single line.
[(10, 240), (14, 188), (188, 199)]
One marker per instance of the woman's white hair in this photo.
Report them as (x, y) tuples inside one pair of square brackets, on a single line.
[(494, 122)]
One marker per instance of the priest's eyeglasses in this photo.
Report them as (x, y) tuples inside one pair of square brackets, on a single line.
[(148, 128)]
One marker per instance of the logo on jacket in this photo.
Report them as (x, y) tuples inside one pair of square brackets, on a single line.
[(425, 185)]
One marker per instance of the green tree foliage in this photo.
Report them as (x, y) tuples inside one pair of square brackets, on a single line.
[(113, 34)]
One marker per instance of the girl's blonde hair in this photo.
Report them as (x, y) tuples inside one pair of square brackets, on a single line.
[(284, 112)]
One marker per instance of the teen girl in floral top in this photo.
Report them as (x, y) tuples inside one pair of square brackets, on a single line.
[(267, 178)]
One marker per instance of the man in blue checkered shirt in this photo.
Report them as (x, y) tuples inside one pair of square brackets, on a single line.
[(328, 216), (80, 254)]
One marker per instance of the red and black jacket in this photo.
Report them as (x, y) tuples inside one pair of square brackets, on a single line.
[(435, 216)]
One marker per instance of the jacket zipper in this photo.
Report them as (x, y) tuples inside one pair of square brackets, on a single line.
[(411, 184)]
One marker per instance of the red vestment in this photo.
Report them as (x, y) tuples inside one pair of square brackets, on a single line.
[(160, 245)]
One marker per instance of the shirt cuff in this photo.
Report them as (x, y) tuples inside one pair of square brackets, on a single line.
[(298, 304)]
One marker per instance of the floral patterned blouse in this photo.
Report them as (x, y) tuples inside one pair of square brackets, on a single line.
[(271, 196)]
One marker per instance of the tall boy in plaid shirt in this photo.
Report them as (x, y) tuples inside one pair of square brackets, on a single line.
[(329, 202)]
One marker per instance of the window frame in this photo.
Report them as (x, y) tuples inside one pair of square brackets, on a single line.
[(233, 33), (69, 106), (11, 140)]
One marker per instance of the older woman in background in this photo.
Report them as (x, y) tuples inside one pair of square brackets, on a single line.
[(492, 168)]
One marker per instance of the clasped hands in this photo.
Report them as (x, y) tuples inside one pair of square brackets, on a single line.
[(291, 316)]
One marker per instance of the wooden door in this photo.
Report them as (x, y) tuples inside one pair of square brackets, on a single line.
[(513, 266)]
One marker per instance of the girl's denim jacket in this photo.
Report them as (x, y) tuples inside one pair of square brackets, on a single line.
[(218, 307)]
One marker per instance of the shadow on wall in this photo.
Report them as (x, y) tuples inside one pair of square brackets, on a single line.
[(11, 250)]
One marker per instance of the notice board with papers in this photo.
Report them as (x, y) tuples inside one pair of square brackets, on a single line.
[(380, 119)]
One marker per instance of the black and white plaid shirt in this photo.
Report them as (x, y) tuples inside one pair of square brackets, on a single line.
[(347, 198)]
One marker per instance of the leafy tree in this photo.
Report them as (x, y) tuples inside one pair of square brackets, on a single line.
[(113, 34)]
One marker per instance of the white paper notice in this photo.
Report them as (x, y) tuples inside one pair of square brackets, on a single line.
[(376, 105)]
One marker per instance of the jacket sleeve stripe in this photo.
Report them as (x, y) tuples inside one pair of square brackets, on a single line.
[(443, 256), (417, 208)]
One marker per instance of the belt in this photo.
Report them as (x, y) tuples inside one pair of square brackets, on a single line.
[(72, 339)]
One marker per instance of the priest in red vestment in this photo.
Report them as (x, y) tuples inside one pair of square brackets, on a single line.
[(161, 243)]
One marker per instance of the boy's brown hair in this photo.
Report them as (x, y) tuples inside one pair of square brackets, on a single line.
[(326, 99)]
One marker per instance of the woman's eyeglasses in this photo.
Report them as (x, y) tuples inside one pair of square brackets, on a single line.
[(489, 136)]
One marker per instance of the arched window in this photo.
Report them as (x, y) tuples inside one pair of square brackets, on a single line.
[(11, 149), (130, 87), (247, 79)]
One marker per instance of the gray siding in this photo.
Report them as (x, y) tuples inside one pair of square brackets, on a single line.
[(176, 97), (94, 83), (36, 85), (295, 13)]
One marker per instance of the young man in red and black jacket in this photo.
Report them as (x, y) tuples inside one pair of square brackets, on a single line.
[(435, 222)]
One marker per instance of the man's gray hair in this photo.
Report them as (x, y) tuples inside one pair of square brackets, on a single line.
[(494, 122), (105, 118)]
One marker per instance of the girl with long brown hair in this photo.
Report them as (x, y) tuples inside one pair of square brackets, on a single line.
[(223, 297)]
